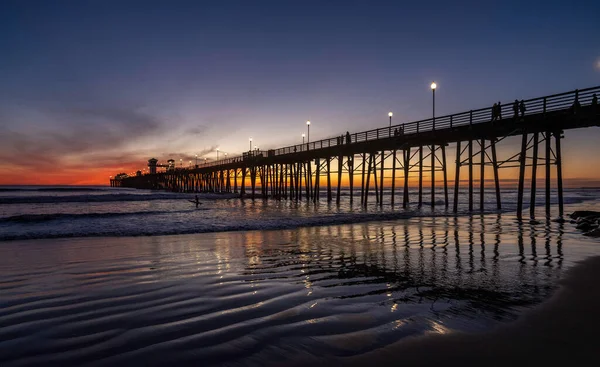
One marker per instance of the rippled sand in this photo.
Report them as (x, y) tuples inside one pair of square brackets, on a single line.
[(273, 297)]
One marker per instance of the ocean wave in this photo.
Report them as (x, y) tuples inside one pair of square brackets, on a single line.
[(108, 198), (259, 225), (39, 218)]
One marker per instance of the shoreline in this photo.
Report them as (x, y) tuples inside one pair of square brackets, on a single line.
[(562, 329)]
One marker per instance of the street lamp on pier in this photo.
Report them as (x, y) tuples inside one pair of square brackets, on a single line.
[(250, 144), (308, 131), (303, 135), (433, 86), (217, 153), (390, 114), (196, 159)]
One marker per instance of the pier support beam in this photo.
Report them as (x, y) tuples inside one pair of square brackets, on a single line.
[(420, 176), (496, 178), (559, 184), (482, 176), (533, 175), (457, 177), (470, 175), (406, 155), (432, 176), (522, 159), (548, 153)]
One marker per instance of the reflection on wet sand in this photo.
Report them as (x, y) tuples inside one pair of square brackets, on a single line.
[(240, 297)]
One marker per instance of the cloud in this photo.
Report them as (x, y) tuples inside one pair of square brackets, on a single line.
[(106, 132)]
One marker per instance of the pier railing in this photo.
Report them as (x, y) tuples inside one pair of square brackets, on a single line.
[(541, 105)]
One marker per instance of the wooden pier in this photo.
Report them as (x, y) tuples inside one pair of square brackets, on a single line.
[(397, 153)]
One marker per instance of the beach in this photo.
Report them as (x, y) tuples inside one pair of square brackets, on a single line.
[(346, 293), (561, 331)]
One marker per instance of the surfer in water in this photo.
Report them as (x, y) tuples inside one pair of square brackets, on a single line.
[(197, 201)]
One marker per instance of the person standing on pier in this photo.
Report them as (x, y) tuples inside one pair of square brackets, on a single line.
[(522, 108), (594, 102), (576, 105), (494, 112), (516, 108), (348, 138), (499, 114)]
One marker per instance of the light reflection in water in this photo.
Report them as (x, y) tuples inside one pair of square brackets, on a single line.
[(374, 282)]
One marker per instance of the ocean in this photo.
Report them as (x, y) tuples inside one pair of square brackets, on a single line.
[(114, 276)]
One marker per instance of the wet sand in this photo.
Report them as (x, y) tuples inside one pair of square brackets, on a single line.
[(349, 294), (561, 331)]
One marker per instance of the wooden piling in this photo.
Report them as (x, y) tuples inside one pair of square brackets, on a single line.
[(522, 159), (457, 177), (329, 197), (548, 141), (351, 177), (482, 177), (470, 163), (534, 162), (362, 186), (420, 176), (393, 177), (496, 177), (338, 193), (557, 137), (432, 175), (406, 154), (368, 179), (381, 178), (445, 174)]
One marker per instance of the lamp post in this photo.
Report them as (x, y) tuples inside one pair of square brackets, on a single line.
[(196, 159), (205, 161), (303, 135), (308, 131), (433, 86), (250, 144), (390, 114), (181, 162), (217, 153), (190, 163)]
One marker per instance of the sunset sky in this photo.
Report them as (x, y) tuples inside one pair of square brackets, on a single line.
[(92, 88)]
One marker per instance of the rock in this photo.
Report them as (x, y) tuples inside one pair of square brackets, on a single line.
[(593, 233), (584, 213), (586, 226)]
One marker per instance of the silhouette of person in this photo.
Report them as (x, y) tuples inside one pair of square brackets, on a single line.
[(576, 105), (516, 108), (499, 114), (522, 108), (494, 112), (197, 201), (594, 101), (348, 138), (402, 129)]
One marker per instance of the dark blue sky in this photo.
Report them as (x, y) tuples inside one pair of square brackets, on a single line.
[(93, 82)]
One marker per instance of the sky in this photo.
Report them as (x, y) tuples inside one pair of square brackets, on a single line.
[(89, 89)]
